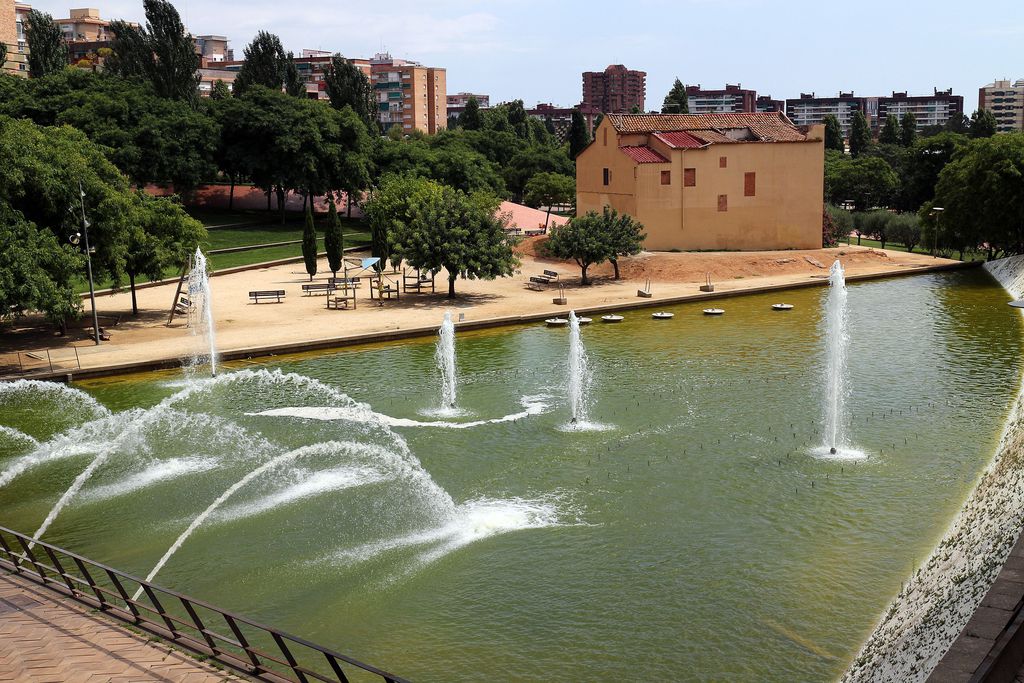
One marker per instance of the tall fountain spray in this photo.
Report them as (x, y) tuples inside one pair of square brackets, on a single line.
[(836, 343), (200, 316), (445, 357), (578, 384)]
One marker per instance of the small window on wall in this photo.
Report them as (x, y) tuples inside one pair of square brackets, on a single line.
[(666, 177), (689, 177), (749, 184), (723, 162), (723, 202), (607, 176), (605, 136)]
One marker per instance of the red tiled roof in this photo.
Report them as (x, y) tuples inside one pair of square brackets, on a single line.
[(764, 126), (643, 154), (680, 139)]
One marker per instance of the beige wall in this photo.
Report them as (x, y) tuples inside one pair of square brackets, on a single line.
[(437, 100), (8, 35), (784, 213)]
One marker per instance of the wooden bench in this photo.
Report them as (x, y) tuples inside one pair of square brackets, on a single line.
[(548, 277), (535, 286), (538, 279), (314, 287), (267, 295), (550, 274), (534, 233)]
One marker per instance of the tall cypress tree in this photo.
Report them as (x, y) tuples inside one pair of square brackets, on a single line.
[(334, 240), (579, 138), (293, 84), (983, 124), (909, 132), (470, 119), (833, 134), (676, 101), (47, 51), (348, 86), (309, 244), (162, 53), (890, 134), (860, 134), (265, 64)]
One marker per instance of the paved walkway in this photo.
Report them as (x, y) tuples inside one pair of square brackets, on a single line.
[(46, 637)]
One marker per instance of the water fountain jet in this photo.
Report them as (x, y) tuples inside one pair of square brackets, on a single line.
[(837, 342), (200, 313), (445, 357)]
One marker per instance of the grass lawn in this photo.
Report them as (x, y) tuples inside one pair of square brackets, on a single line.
[(918, 248)]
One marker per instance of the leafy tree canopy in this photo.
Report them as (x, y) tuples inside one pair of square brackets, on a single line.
[(833, 134), (47, 51), (162, 52), (676, 101)]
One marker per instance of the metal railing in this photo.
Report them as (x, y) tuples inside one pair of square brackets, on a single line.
[(180, 619)]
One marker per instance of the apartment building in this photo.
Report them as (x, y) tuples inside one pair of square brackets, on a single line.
[(765, 103), (409, 94), (929, 110), (733, 99), (1006, 102), (614, 90), (213, 49), (708, 181), (13, 19), (560, 118), (457, 102), (810, 109)]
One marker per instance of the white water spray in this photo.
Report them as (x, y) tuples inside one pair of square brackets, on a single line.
[(836, 347), (579, 377), (445, 357), (200, 313)]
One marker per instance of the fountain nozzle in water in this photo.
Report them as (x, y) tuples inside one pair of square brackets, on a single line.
[(200, 312)]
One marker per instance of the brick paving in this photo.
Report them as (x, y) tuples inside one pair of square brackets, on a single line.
[(47, 637)]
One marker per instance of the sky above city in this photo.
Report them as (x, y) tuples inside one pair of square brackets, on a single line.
[(536, 51)]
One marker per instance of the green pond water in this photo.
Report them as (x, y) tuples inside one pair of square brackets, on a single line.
[(696, 538)]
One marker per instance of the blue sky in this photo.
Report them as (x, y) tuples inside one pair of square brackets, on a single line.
[(536, 50)]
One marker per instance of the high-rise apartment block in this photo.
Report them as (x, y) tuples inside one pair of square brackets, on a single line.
[(765, 103), (408, 94), (733, 99), (457, 103), (929, 110), (810, 109), (614, 90), (1006, 102)]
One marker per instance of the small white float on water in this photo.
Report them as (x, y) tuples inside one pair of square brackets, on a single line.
[(556, 322), (585, 321), (782, 307), (662, 315), (611, 318), (714, 311)]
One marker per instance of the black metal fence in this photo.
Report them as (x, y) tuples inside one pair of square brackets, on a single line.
[(248, 647)]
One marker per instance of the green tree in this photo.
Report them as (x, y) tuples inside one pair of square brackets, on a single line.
[(579, 137), (837, 224), (309, 244), (37, 272), (890, 134), (334, 240), (470, 118), (389, 205), (545, 189), (908, 129), (532, 160), (983, 124), (47, 51), (983, 196), (293, 84), (584, 239), (833, 134), (220, 90), (867, 182), (162, 52), (161, 236), (925, 161), (265, 64), (462, 234), (676, 101), (636, 109), (347, 86), (625, 234), (905, 228), (958, 123), (860, 134)]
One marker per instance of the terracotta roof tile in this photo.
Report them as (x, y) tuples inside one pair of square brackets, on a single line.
[(680, 139), (642, 154), (764, 126)]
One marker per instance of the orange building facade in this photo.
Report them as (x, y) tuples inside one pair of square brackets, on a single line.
[(709, 181)]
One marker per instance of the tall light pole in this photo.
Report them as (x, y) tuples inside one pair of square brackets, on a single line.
[(936, 212), (84, 235)]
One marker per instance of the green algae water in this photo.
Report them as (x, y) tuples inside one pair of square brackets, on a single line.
[(694, 536)]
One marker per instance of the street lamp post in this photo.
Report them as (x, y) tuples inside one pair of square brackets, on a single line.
[(84, 235), (936, 212)]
